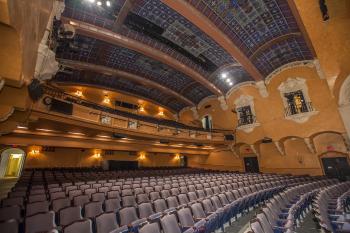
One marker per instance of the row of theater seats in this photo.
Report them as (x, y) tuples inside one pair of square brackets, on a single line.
[(285, 211), (332, 208), (176, 203)]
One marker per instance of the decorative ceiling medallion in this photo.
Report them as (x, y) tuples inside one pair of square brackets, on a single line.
[(185, 38)]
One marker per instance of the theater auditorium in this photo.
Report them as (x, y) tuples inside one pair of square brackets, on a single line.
[(174, 116)]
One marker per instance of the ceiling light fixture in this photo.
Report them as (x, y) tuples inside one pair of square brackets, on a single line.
[(224, 75), (45, 130), (91, 1), (22, 127), (79, 93), (106, 100), (108, 3), (230, 83), (99, 3), (77, 133), (228, 80)]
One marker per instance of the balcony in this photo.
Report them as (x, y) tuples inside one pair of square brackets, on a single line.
[(299, 113), (247, 123), (128, 123)]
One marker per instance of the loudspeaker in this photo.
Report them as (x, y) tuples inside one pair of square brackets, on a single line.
[(229, 137), (61, 107), (118, 136), (35, 90)]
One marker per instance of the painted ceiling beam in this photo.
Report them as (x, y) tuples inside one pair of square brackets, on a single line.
[(122, 74), (127, 7), (120, 40), (301, 25), (275, 40), (208, 27)]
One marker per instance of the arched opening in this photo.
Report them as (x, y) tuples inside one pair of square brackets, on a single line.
[(11, 163), (207, 122), (335, 165)]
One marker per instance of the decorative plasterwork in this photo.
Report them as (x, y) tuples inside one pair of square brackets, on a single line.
[(280, 147), (262, 88), (307, 63), (237, 87), (7, 114), (223, 103), (205, 100), (344, 95), (293, 85), (319, 69), (2, 83), (255, 151), (310, 145), (195, 113), (246, 100)]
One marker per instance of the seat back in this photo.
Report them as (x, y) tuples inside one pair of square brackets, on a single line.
[(81, 226), (42, 222), (69, 214), (106, 222)]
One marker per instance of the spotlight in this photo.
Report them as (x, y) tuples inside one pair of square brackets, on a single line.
[(228, 80), (230, 84), (99, 3), (224, 75), (108, 3)]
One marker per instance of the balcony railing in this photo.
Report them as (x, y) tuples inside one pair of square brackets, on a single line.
[(293, 109), (115, 114), (247, 120)]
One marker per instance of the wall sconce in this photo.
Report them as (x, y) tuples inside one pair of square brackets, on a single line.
[(161, 113), (177, 157), (97, 155), (106, 100), (34, 152), (79, 93), (141, 109), (142, 156)]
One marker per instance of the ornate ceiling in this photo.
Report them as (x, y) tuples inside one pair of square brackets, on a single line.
[(167, 46)]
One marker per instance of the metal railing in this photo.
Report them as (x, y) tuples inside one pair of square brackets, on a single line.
[(246, 120), (293, 109)]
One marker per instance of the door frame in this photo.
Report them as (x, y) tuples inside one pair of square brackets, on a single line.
[(332, 154), (250, 156), (4, 159)]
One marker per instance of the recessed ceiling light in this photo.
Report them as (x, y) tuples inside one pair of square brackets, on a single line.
[(99, 3), (92, 1), (45, 130), (224, 75), (228, 80), (77, 133), (108, 3), (230, 84)]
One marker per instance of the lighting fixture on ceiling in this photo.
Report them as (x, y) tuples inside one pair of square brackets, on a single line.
[(106, 100), (45, 130), (108, 3), (224, 75), (22, 127), (228, 80), (77, 133), (79, 93), (230, 83), (92, 1), (99, 3)]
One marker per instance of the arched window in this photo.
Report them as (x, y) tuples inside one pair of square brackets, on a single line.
[(207, 122), (244, 106)]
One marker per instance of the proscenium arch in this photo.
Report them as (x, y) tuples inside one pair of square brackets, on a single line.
[(4, 160)]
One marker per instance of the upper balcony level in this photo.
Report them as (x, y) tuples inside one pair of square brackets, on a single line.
[(114, 120)]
